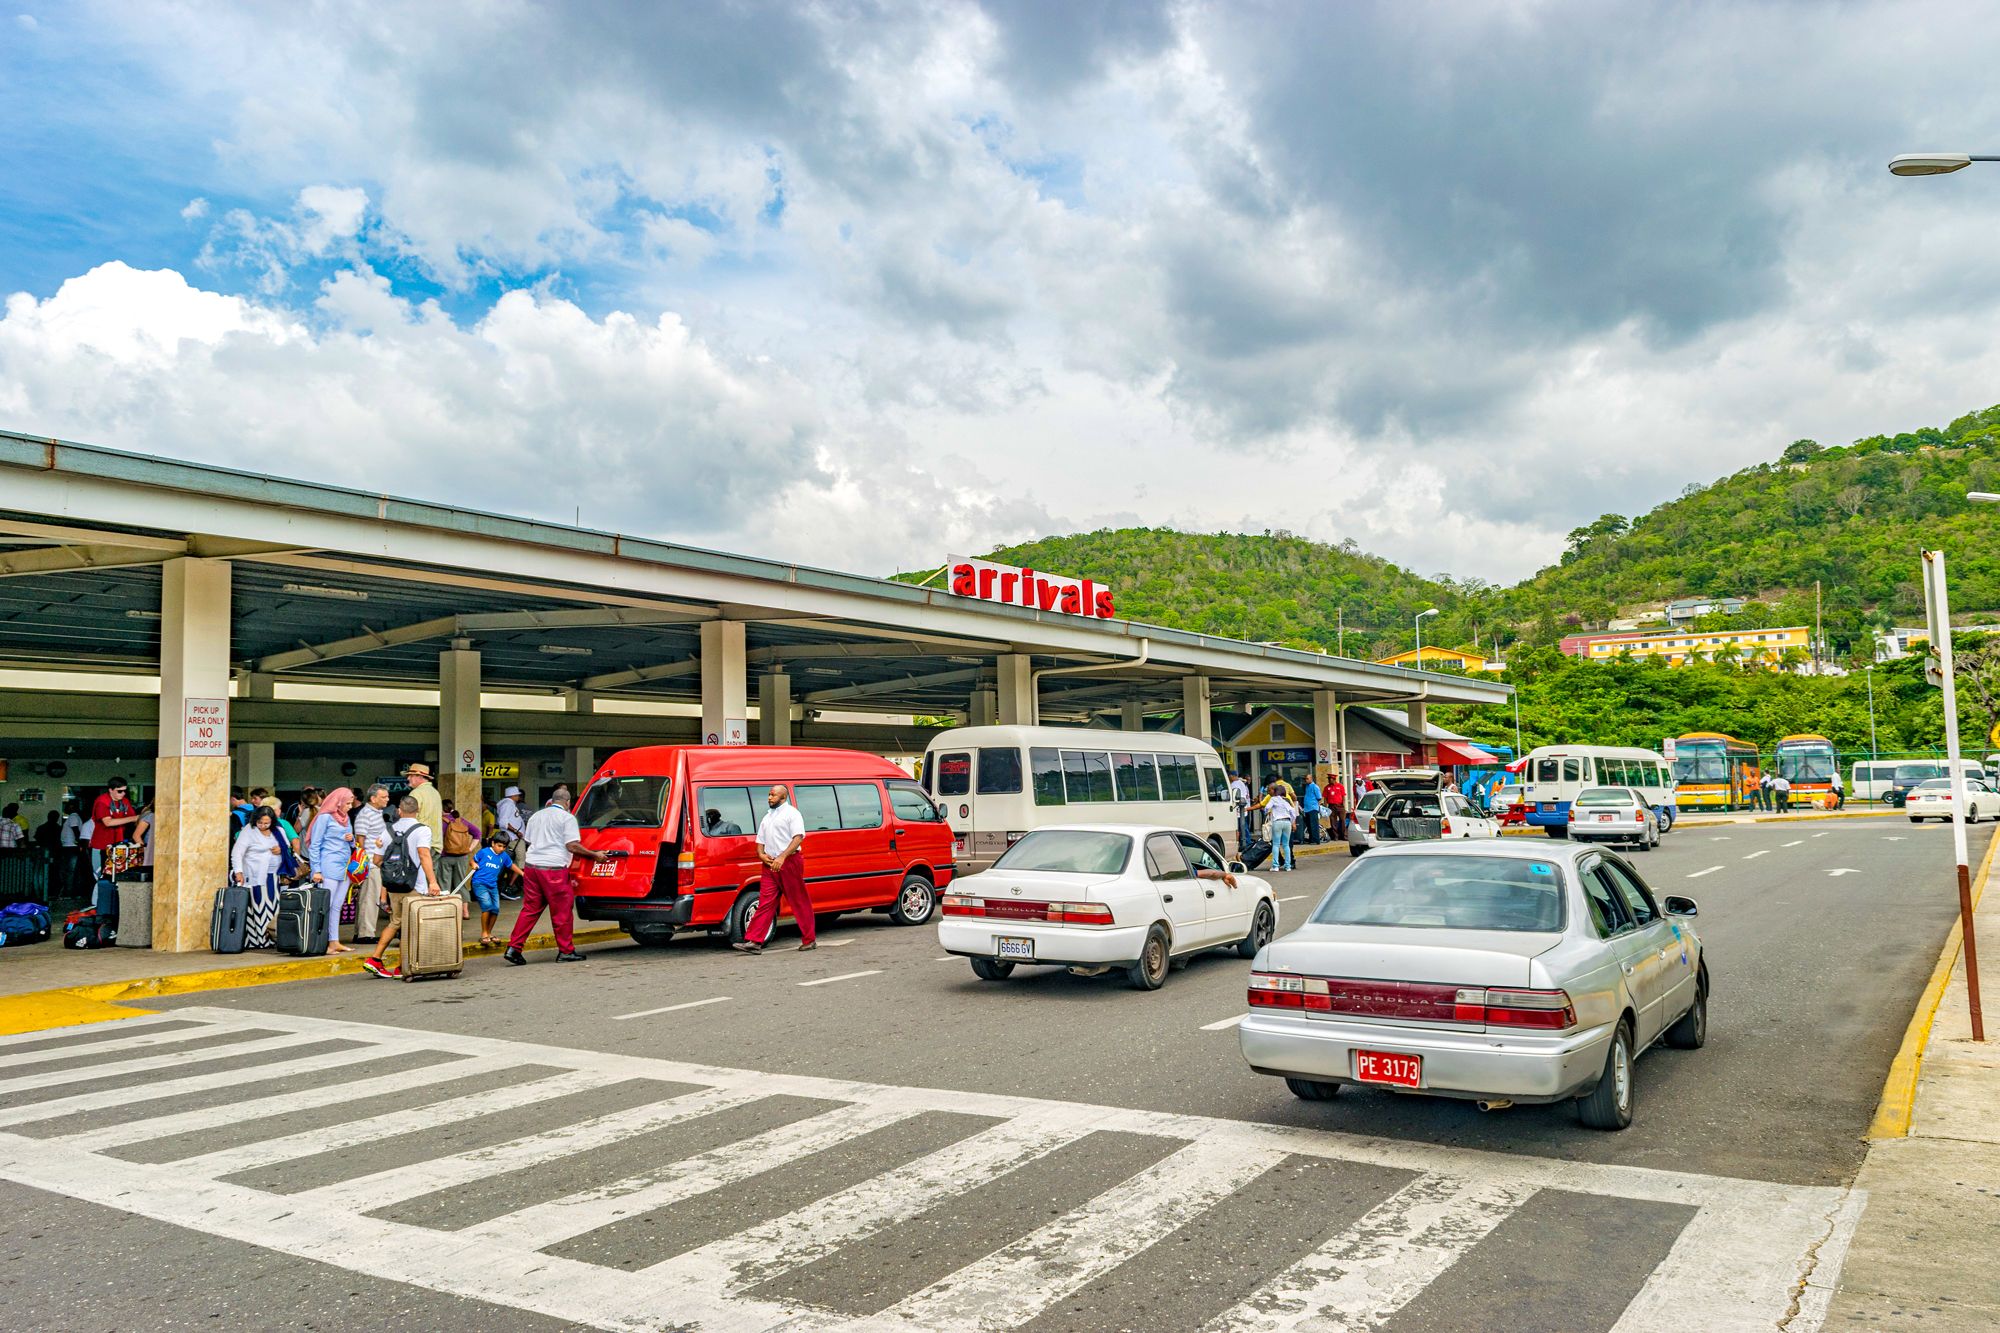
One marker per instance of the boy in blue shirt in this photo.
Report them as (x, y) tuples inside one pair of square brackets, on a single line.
[(488, 866)]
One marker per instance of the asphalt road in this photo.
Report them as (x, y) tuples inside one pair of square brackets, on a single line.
[(1814, 977)]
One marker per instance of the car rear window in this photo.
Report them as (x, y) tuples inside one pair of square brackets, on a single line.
[(615, 802), (1077, 851), (1605, 796), (1453, 892)]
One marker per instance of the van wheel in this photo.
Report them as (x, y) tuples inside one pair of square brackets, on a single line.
[(1150, 972), (1262, 927), (991, 969), (740, 912), (1556, 830), (656, 937), (915, 901), (1667, 818)]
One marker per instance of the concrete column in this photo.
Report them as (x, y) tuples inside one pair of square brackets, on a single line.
[(1194, 707), (579, 701), (459, 752), (1346, 755), (1417, 722), (1017, 690), (1326, 728), (774, 708), (256, 761), (579, 761), (191, 801), (984, 710), (1132, 716), (725, 684)]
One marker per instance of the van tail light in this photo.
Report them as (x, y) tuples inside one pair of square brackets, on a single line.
[(686, 863)]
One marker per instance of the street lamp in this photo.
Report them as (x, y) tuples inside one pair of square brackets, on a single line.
[(1420, 635), (1934, 164), (1870, 671)]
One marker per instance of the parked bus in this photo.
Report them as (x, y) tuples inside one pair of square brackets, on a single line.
[(1554, 774), (1808, 762), (997, 783), (1713, 771)]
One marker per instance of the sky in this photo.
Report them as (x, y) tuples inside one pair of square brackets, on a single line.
[(861, 285)]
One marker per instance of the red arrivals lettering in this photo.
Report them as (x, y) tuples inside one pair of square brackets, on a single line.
[(1026, 588), (1072, 600), (1105, 610), (964, 581)]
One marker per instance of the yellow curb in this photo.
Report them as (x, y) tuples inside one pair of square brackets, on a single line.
[(106, 1000), (1899, 1091)]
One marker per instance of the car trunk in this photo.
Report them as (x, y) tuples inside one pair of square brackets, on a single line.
[(1415, 971), (999, 888)]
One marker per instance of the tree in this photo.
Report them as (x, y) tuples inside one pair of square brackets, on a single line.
[(1801, 451)]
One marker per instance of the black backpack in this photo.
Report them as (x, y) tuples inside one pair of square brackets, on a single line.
[(399, 864)]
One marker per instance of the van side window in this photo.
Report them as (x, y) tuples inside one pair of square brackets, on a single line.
[(726, 812), (860, 804), (911, 805), (817, 804), (1136, 780), (1047, 767), (1087, 775), (999, 771), (1177, 778), (1573, 771), (954, 775), (1217, 783), (1547, 770)]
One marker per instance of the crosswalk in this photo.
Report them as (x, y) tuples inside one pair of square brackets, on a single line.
[(629, 1193)]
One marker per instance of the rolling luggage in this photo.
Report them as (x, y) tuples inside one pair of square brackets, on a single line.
[(229, 924), (302, 920), (1256, 852), (432, 943)]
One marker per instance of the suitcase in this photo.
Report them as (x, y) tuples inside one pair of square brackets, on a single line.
[(1256, 853), (229, 924), (433, 945), (302, 921)]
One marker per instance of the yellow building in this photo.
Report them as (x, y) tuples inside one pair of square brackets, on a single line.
[(1766, 646), (1434, 657)]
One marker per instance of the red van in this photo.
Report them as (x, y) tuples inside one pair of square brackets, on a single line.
[(682, 821)]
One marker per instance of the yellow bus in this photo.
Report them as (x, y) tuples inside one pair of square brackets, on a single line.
[(1808, 762), (1714, 772)]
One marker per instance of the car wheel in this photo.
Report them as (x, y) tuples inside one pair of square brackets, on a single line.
[(915, 901), (740, 913), (1263, 925), (1691, 1032), (656, 937), (991, 969), (1609, 1105), (1150, 972), (1312, 1090)]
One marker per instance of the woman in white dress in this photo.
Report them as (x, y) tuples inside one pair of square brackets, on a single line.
[(254, 863)]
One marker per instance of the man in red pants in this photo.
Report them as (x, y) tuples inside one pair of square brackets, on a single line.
[(553, 838), (780, 840)]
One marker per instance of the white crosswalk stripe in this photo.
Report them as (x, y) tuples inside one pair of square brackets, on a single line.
[(1740, 1259)]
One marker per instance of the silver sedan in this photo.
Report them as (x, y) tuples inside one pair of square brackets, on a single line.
[(1486, 971), (1613, 814)]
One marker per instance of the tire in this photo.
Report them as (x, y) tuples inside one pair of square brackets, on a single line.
[(736, 926), (916, 901), (1312, 1090), (1667, 820), (1915, 820), (1609, 1105), (652, 937), (1155, 961), (991, 969), (1556, 830), (1690, 1032), (1263, 925)]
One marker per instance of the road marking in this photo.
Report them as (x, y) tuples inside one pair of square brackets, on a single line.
[(1822, 834), (948, 958), (1892, 837), (1294, 898), (1754, 855), (1798, 842), (1225, 1023), (1699, 873), (1719, 837), (670, 1008), (845, 976), (1838, 871), (834, 944)]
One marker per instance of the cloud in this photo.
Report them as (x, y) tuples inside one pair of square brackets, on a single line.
[(195, 209)]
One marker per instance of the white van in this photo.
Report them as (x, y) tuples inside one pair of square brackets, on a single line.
[(1872, 778), (996, 783), (1554, 774)]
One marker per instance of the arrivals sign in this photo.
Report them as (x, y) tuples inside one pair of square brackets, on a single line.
[(987, 582)]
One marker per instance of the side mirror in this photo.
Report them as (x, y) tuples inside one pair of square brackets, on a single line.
[(1679, 906), (1236, 867)]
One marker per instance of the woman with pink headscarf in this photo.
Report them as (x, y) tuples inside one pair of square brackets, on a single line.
[(329, 843)]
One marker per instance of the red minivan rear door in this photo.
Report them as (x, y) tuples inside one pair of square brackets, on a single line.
[(626, 814)]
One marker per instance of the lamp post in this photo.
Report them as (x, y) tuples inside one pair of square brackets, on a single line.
[(1870, 672), (1934, 164), (1420, 635)]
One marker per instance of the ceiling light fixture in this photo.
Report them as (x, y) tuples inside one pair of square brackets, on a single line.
[(142, 615), (317, 590), (564, 650)]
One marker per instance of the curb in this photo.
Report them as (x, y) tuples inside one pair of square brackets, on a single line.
[(1893, 1113), (107, 1000)]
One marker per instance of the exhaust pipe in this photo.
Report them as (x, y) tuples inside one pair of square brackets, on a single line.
[(1495, 1105)]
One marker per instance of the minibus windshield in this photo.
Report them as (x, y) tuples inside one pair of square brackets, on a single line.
[(634, 802)]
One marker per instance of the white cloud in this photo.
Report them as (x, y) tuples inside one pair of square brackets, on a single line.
[(195, 209)]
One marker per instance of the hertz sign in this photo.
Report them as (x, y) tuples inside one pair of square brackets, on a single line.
[(985, 581)]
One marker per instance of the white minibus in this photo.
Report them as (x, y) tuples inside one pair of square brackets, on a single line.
[(1554, 774), (997, 783)]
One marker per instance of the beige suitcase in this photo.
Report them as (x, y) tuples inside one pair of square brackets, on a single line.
[(432, 943)]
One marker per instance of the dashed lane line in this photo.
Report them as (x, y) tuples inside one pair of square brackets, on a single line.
[(845, 976), (1797, 842), (1699, 873), (1754, 855), (671, 1008), (1294, 898), (1225, 1023)]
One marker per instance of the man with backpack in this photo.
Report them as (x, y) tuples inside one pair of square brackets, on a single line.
[(407, 869)]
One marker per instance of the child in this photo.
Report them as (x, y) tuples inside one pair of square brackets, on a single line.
[(487, 867)]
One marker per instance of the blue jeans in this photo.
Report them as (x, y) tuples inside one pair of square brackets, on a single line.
[(1281, 845)]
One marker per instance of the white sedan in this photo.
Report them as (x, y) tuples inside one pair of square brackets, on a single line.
[(1931, 799), (1094, 897)]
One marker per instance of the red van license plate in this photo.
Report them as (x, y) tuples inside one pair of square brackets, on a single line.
[(1405, 1071), (604, 869)]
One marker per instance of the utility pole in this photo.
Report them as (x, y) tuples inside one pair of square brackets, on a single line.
[(1937, 605), (1872, 754), (1340, 631), (1819, 633)]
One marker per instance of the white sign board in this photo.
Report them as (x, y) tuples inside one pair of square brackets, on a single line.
[(205, 729), (1667, 749), (736, 731)]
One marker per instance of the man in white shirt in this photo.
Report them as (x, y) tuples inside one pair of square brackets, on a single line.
[(510, 819), (371, 826), (781, 840), (412, 833), (1239, 800), (552, 840)]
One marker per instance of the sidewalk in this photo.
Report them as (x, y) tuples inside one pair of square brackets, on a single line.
[(1924, 1254)]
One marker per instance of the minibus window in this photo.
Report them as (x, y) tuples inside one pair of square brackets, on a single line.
[(911, 805), (1217, 783), (860, 804), (615, 802), (1087, 775), (1547, 770), (1047, 768), (1573, 771), (999, 771), (925, 776), (954, 774), (817, 804), (1177, 778), (1136, 779), (726, 812)]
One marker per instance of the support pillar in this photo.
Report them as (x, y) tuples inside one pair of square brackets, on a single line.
[(1417, 718), (1132, 716), (579, 761), (191, 797), (725, 684), (1194, 708), (1326, 727), (256, 761), (459, 755), (984, 709), (1017, 690), (774, 708)]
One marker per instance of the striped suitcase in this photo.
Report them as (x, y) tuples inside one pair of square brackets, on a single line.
[(432, 943)]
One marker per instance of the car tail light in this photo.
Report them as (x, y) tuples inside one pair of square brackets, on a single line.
[(1009, 909), (1444, 825), (1639, 815), (1550, 1009), (1278, 990)]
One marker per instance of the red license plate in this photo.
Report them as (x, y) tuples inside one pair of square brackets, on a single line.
[(603, 869), (1604, 819), (1405, 1071)]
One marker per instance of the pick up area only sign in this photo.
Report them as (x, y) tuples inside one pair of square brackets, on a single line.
[(205, 728)]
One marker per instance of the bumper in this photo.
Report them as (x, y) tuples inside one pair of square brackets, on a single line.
[(1558, 818), (1591, 830), (977, 937), (1469, 1065), (637, 911)]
